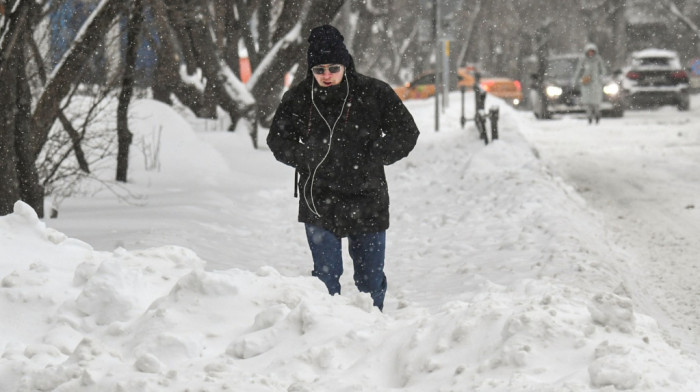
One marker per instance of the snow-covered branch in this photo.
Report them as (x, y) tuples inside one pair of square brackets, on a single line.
[(235, 88), (294, 35)]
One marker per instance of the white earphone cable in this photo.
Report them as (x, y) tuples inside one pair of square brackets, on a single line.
[(312, 177)]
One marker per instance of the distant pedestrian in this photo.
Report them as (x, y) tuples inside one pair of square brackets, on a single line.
[(339, 129), (589, 75)]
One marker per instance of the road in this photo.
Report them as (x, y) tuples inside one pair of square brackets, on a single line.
[(641, 172)]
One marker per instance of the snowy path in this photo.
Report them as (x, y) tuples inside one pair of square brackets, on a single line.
[(641, 172)]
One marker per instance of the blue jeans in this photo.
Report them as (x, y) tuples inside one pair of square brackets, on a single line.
[(367, 253)]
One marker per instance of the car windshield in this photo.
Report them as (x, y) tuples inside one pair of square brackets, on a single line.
[(653, 61), (561, 68)]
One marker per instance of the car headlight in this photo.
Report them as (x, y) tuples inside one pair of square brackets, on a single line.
[(553, 91), (611, 89)]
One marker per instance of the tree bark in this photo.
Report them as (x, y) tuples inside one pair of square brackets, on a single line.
[(264, 19), (9, 181), (12, 30), (124, 136), (15, 25), (231, 37), (245, 11), (18, 174), (30, 189)]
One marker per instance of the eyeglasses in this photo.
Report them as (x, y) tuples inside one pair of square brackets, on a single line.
[(320, 70)]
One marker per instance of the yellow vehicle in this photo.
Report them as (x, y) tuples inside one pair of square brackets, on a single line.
[(424, 86), (507, 89)]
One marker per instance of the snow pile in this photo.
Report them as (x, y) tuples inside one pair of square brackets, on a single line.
[(164, 141), (153, 320), (500, 280)]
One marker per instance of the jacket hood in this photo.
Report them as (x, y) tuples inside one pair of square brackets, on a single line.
[(590, 46)]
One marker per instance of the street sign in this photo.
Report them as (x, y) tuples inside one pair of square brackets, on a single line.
[(695, 66)]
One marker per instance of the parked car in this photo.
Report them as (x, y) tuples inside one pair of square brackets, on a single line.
[(562, 93), (507, 89), (655, 77), (424, 86)]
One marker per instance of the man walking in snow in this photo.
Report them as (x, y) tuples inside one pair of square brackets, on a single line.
[(338, 129), (589, 74)]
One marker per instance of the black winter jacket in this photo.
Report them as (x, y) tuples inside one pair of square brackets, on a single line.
[(341, 182)]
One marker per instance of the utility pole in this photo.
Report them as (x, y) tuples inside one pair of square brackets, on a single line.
[(542, 51), (445, 73), (438, 53)]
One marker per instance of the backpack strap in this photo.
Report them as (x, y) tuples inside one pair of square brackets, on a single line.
[(296, 183)]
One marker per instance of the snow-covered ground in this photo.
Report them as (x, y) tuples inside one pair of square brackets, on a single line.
[(640, 171), (502, 277)]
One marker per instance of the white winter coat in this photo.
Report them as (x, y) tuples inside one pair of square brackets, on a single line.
[(589, 75)]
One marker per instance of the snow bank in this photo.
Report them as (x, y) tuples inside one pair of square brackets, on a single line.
[(164, 141), (155, 320)]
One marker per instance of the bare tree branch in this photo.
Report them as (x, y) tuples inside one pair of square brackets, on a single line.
[(70, 67), (675, 12), (67, 126)]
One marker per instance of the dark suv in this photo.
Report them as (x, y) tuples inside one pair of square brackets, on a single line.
[(655, 77), (562, 94)]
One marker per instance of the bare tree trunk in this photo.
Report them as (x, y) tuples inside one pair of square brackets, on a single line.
[(124, 136), (230, 34), (264, 18), (9, 181), (17, 167), (245, 11), (13, 28), (30, 189), (619, 32)]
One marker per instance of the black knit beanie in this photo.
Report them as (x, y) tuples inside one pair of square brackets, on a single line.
[(326, 47)]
